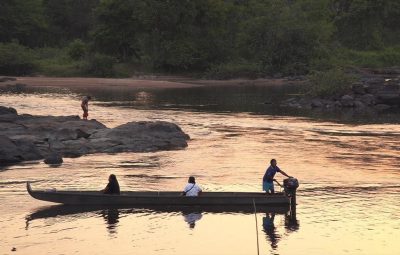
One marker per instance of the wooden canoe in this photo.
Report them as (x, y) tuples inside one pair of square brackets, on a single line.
[(154, 198)]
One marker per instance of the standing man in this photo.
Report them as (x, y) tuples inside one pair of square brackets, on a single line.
[(268, 179), (85, 106)]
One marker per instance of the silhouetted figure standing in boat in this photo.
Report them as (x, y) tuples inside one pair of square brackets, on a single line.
[(191, 189), (85, 106), (268, 179), (112, 186)]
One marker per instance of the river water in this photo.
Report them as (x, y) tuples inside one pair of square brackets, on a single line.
[(348, 167)]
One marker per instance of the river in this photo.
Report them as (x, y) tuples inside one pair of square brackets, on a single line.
[(348, 168)]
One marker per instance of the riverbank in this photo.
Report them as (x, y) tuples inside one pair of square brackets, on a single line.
[(141, 82)]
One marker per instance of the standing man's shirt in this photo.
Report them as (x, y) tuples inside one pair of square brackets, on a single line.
[(270, 173), (192, 190)]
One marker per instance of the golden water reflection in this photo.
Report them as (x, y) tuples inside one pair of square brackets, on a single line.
[(349, 186)]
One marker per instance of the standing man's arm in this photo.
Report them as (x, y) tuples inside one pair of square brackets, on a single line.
[(285, 174)]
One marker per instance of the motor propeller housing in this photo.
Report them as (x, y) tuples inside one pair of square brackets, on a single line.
[(290, 186)]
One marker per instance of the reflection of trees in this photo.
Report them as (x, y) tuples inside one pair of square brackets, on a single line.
[(111, 217)]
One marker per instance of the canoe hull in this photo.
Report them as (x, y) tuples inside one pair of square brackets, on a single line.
[(152, 198)]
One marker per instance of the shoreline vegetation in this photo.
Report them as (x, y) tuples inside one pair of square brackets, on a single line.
[(204, 39), (335, 49)]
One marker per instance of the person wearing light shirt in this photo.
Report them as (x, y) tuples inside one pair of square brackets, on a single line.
[(192, 189)]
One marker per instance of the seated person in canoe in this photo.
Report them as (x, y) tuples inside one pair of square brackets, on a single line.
[(191, 189), (112, 186)]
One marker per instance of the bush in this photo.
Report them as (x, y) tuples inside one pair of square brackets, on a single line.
[(16, 59), (329, 83), (373, 59), (57, 62), (234, 69), (76, 49), (100, 65)]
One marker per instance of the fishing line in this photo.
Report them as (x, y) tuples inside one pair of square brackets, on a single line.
[(255, 216)]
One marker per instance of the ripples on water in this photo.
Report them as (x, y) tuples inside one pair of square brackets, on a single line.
[(348, 201)]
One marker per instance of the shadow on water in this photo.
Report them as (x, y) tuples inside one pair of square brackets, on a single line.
[(191, 215), (270, 230), (111, 214), (111, 217)]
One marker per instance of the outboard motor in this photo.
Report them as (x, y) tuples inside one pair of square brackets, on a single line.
[(290, 186)]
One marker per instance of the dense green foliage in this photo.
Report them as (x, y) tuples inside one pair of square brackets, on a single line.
[(217, 38), (328, 83)]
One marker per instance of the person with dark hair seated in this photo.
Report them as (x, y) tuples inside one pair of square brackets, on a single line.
[(112, 186), (191, 189)]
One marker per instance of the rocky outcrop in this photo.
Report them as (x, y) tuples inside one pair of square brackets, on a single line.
[(377, 90), (27, 137)]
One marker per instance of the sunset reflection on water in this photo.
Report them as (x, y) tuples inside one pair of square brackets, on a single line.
[(348, 200)]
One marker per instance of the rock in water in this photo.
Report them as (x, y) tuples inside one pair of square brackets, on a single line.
[(140, 137), (7, 110), (53, 159), (9, 152), (27, 137)]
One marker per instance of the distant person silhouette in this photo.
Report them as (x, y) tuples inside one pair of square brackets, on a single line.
[(85, 106)]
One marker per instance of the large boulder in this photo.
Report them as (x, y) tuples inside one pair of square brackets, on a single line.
[(27, 147), (7, 110), (368, 99), (141, 136), (27, 137), (347, 101), (316, 103), (9, 152)]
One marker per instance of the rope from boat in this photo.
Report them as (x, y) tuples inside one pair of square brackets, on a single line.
[(255, 216), (279, 185)]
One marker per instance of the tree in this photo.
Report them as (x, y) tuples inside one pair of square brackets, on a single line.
[(69, 19), (22, 20), (284, 37)]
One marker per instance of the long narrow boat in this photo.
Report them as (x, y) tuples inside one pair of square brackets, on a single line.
[(154, 198)]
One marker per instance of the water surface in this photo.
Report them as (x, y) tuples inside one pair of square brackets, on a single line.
[(348, 201)]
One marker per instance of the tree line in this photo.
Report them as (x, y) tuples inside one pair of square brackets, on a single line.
[(214, 38)]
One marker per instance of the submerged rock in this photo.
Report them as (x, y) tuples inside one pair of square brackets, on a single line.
[(27, 137)]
